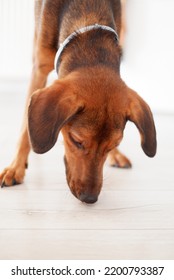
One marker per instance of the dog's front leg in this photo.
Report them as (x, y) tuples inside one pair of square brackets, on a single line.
[(14, 174), (117, 159)]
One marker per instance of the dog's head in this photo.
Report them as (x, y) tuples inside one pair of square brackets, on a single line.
[(91, 111)]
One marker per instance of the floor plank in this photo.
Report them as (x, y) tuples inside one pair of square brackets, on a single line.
[(88, 244)]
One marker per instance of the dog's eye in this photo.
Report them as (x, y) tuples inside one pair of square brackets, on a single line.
[(78, 144)]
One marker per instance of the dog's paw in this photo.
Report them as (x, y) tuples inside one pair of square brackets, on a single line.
[(11, 176), (117, 159)]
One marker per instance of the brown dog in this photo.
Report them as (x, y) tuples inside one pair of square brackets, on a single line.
[(89, 102)]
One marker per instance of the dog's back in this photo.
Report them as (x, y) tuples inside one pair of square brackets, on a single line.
[(79, 13), (55, 20)]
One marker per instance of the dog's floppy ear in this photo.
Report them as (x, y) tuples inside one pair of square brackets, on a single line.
[(140, 113), (50, 108)]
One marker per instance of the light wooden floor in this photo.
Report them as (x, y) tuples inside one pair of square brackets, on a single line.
[(133, 219)]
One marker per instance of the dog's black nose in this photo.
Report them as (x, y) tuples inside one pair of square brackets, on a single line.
[(88, 198)]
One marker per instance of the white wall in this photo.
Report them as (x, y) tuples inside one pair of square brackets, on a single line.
[(16, 35), (149, 51), (148, 55)]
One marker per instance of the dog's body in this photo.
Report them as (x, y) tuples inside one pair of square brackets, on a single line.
[(89, 103)]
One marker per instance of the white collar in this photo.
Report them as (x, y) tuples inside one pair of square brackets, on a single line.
[(76, 33)]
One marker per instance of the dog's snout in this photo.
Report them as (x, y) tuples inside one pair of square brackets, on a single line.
[(88, 198)]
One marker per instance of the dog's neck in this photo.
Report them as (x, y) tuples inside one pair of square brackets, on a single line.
[(75, 34)]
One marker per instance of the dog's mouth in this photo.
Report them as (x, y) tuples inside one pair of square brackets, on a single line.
[(77, 188)]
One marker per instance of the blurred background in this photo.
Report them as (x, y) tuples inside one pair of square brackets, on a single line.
[(148, 62)]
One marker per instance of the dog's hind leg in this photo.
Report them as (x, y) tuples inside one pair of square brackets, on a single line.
[(117, 159)]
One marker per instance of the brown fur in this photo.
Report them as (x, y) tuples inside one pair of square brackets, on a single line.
[(89, 103)]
